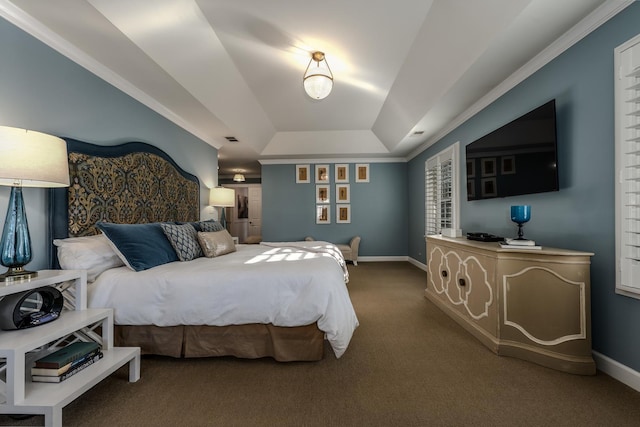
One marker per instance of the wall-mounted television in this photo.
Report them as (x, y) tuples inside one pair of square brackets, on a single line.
[(518, 158)]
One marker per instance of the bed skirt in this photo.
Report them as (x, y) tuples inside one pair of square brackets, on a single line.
[(301, 343)]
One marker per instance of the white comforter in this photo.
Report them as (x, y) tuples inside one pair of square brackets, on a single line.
[(281, 283)]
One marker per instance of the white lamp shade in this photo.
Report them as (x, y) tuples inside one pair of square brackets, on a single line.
[(223, 197), (32, 159), (238, 177)]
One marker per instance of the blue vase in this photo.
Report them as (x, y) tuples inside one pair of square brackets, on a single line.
[(520, 214), (16, 242)]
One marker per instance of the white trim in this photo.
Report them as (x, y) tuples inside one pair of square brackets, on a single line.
[(417, 263), (339, 160), (617, 370), (382, 258), (35, 28), (582, 29)]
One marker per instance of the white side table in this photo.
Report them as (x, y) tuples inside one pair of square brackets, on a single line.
[(20, 348)]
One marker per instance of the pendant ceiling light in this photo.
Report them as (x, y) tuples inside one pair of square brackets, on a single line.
[(318, 79)]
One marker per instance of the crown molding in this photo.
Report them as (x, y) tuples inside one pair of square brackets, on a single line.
[(579, 31), (35, 28), (333, 160)]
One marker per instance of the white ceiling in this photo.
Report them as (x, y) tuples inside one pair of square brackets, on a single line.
[(223, 68)]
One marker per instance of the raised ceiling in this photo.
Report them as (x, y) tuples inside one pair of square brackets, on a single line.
[(403, 69)]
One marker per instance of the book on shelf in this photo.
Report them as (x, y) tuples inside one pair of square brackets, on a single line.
[(67, 354), (505, 245), (54, 372), (72, 371)]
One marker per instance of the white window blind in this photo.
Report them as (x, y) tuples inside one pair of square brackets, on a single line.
[(441, 193), (627, 129)]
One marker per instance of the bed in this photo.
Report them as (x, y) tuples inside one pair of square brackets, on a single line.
[(275, 299)]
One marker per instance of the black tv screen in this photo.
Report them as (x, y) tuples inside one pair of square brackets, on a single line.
[(518, 158)]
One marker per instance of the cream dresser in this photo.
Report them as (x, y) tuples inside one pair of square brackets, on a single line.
[(533, 304)]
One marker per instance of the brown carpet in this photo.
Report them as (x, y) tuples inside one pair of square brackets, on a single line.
[(408, 365)]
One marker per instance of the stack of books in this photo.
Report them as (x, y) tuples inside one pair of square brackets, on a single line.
[(519, 244), (62, 364)]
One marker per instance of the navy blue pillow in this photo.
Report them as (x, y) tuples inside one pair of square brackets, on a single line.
[(140, 246)]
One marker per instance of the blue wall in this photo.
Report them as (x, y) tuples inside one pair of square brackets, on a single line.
[(581, 215), (378, 208), (44, 91)]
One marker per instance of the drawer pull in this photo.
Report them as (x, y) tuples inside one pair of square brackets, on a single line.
[(444, 273), (462, 282)]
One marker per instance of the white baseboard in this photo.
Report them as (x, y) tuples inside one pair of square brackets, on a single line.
[(382, 258), (393, 258), (418, 264), (617, 370)]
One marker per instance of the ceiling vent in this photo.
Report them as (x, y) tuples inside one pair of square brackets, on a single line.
[(417, 133), (231, 138)]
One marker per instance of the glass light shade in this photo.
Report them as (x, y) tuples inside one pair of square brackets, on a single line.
[(222, 197), (318, 79), (238, 177), (318, 86)]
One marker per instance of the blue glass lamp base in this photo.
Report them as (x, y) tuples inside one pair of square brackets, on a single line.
[(223, 219), (16, 242)]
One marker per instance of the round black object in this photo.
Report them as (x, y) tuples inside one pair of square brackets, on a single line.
[(30, 308)]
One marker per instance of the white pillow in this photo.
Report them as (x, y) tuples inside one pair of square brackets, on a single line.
[(91, 253)]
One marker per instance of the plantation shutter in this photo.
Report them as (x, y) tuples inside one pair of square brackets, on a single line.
[(627, 129), (441, 193)]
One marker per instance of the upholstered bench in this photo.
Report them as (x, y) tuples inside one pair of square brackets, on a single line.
[(349, 252)]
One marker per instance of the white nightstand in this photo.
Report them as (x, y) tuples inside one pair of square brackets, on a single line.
[(235, 239), (20, 348)]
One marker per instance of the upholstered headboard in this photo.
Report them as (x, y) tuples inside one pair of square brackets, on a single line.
[(125, 184)]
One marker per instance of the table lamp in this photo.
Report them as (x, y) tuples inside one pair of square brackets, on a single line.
[(27, 159), (223, 198)]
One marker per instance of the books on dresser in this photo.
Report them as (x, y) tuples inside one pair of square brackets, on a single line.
[(519, 244), (65, 362)]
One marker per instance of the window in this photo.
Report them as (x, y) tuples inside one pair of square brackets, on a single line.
[(627, 130), (441, 184)]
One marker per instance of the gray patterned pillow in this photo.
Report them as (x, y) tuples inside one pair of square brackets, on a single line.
[(184, 239), (210, 226)]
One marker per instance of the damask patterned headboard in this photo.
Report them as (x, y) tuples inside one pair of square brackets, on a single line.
[(126, 184)]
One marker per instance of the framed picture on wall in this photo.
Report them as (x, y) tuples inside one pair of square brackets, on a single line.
[(343, 193), (322, 174), (362, 172), (323, 215), (322, 194), (302, 174), (343, 214), (342, 173)]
